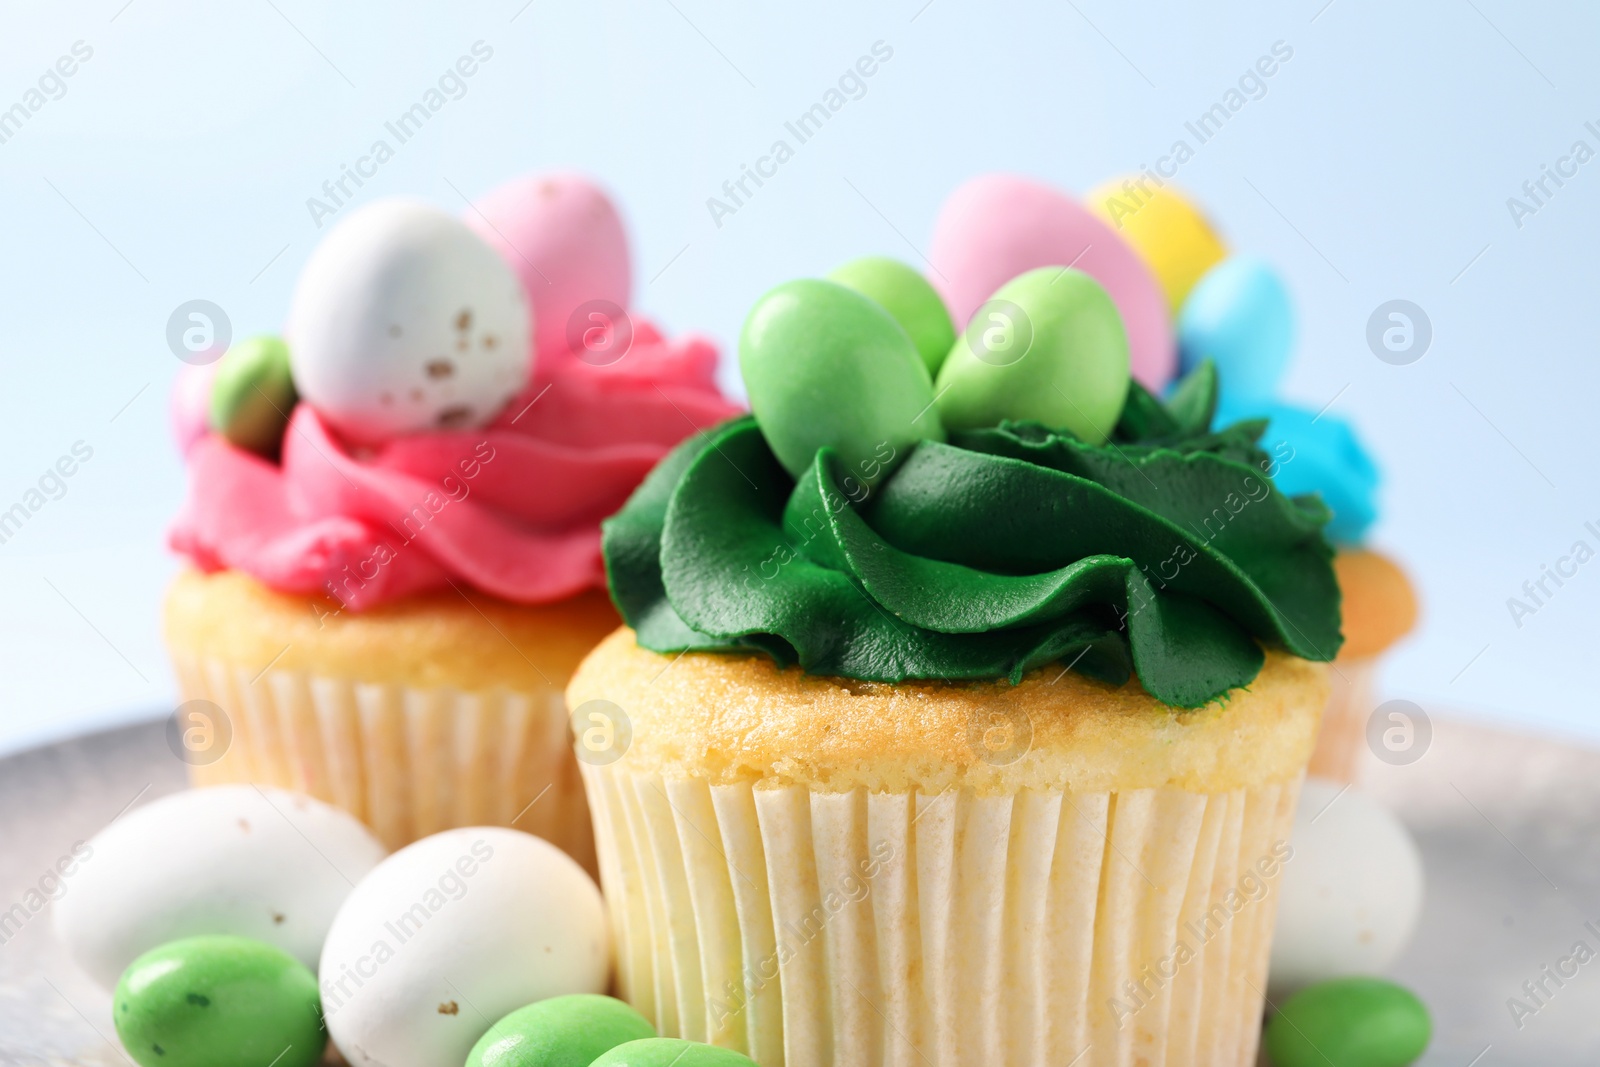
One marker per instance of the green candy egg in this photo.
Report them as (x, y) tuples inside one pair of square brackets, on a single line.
[(253, 394), (565, 1031), (219, 1001), (1048, 347), (905, 294), (825, 365), (1349, 1022), (671, 1052)]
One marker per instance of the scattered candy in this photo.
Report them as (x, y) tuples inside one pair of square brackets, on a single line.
[(997, 226), (825, 365), (565, 1031), (219, 1001), (1049, 347), (451, 933), (253, 394), (1239, 317), (235, 859), (564, 239), (190, 405), (1349, 1022), (1320, 453), (1350, 894), (906, 295), (671, 1052), (1169, 232), (404, 320)]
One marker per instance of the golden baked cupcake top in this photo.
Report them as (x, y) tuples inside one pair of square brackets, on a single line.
[(464, 640), (739, 718)]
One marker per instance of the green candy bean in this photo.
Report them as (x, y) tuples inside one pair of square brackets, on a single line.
[(1049, 347), (1349, 1022), (219, 1001), (253, 394), (671, 1052), (825, 365), (565, 1031), (905, 294)]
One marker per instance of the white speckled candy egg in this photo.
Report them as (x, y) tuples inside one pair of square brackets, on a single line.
[(449, 934), (235, 859), (405, 320), (1350, 894)]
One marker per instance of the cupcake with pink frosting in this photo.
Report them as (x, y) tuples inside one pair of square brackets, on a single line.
[(393, 517)]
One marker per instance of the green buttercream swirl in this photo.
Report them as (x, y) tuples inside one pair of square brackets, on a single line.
[(1166, 552)]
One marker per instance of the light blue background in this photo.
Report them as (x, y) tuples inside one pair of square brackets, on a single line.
[(179, 160)]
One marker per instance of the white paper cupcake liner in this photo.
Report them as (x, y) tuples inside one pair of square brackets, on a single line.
[(1338, 755), (408, 762), (859, 929)]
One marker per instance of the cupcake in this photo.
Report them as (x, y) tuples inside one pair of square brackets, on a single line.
[(392, 521), (964, 697)]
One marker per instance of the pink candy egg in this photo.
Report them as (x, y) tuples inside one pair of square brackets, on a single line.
[(190, 406), (997, 226), (564, 239)]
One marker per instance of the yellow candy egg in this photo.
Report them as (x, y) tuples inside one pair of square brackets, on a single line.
[(1171, 235)]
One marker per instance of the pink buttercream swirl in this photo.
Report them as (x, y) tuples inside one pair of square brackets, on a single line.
[(512, 509)]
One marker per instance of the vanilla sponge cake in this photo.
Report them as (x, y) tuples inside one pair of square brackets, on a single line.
[(441, 710), (741, 719)]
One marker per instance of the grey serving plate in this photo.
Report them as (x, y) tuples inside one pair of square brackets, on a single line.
[(1509, 828)]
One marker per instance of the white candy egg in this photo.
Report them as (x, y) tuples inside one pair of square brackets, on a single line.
[(405, 320), (235, 859), (449, 934), (1350, 894)]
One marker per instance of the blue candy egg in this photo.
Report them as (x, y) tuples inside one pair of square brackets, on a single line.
[(1239, 316), (1315, 454)]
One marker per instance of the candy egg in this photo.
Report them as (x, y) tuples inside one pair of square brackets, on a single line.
[(451, 933), (1351, 892), (1240, 318), (219, 1001), (563, 237), (565, 1031), (672, 1052), (252, 861), (253, 394), (906, 295), (1349, 1022), (825, 365), (190, 405), (1049, 348), (997, 226), (1169, 232), (404, 320)]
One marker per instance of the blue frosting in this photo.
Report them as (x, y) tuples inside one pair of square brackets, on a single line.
[(1323, 455)]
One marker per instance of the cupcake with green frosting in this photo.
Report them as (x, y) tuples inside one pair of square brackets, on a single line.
[(964, 696)]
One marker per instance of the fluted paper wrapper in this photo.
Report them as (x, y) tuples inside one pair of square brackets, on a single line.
[(1343, 737), (406, 761), (811, 929)]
